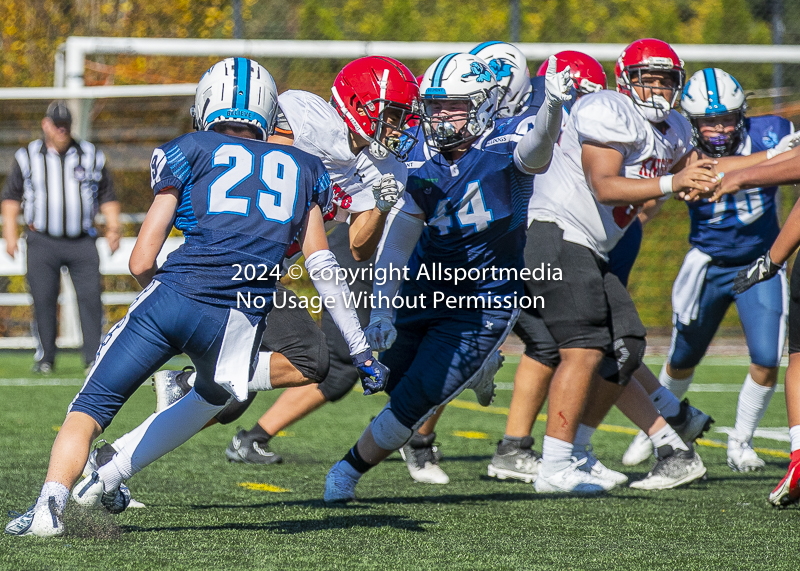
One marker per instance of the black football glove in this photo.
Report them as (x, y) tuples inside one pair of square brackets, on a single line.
[(761, 269), (373, 374)]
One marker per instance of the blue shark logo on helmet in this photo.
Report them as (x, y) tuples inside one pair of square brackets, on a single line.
[(501, 68), (479, 71)]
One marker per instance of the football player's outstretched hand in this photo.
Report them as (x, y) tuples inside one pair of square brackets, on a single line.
[(373, 374), (787, 143), (386, 192), (380, 333), (761, 269), (557, 84), (696, 180)]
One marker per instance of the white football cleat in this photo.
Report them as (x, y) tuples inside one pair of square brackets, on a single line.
[(571, 480), (673, 468), (42, 520), (89, 494), (742, 457), (597, 469), (422, 461), (483, 383), (639, 450), (339, 486)]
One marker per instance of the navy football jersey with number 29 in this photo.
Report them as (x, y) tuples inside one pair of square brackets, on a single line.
[(475, 211), (242, 202)]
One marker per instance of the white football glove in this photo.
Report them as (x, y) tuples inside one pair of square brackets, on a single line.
[(557, 85), (380, 333), (788, 143), (386, 192)]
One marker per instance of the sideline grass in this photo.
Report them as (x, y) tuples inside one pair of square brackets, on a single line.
[(204, 513)]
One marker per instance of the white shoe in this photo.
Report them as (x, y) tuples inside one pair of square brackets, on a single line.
[(42, 520), (597, 469), (339, 486), (570, 480), (89, 494), (171, 386), (742, 457), (639, 450), (672, 469), (423, 464), (483, 384)]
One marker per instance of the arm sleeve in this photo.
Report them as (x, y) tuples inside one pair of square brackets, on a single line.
[(15, 185), (535, 149), (400, 237), (105, 188), (337, 298)]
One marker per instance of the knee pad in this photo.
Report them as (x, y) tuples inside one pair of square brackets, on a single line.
[(387, 431), (234, 410), (619, 364)]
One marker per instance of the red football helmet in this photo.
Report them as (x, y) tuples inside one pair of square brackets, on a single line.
[(586, 72), (648, 55), (365, 90)]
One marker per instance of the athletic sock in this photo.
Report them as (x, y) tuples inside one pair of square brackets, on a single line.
[(794, 438), (667, 435), (59, 491), (258, 433), (583, 437), (677, 387), (753, 402), (556, 454), (261, 380), (513, 443), (353, 464), (667, 403)]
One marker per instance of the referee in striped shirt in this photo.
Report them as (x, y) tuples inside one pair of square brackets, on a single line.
[(59, 184)]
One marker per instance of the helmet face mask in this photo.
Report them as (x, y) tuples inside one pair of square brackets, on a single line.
[(375, 98), (712, 98), (639, 65), (236, 90), (459, 101)]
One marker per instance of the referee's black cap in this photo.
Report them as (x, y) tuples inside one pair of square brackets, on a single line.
[(59, 113)]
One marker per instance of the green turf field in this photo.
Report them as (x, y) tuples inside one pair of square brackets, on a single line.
[(204, 513)]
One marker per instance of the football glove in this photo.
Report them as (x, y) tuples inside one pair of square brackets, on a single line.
[(760, 270), (787, 143), (558, 86), (386, 192), (380, 333), (373, 374)]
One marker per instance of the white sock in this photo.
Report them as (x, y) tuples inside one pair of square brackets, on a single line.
[(753, 402), (261, 380), (583, 437), (348, 469), (794, 437), (556, 454), (59, 491), (667, 403), (192, 378), (161, 433), (667, 435), (677, 387)]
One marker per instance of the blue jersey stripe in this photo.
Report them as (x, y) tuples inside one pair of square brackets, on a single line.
[(479, 47), (714, 106), (437, 73)]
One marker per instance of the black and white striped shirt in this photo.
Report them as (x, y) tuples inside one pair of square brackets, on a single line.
[(60, 194)]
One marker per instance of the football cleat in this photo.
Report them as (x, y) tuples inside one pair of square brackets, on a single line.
[(101, 456), (249, 450), (422, 460), (516, 462), (787, 492), (673, 468), (639, 450), (483, 384), (41, 520), (339, 486), (742, 457), (690, 423), (571, 480), (89, 494), (597, 469), (171, 386)]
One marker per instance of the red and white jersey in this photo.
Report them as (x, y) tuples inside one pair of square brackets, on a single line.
[(319, 130), (609, 118)]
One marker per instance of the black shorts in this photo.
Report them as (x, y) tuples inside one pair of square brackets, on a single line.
[(539, 344), (794, 310), (589, 307)]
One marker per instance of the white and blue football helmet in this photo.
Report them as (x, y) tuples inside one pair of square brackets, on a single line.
[(458, 77), (712, 92), (236, 90), (510, 68)]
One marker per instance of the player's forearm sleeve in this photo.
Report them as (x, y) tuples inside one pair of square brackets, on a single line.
[(323, 269), (400, 236), (535, 149)]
